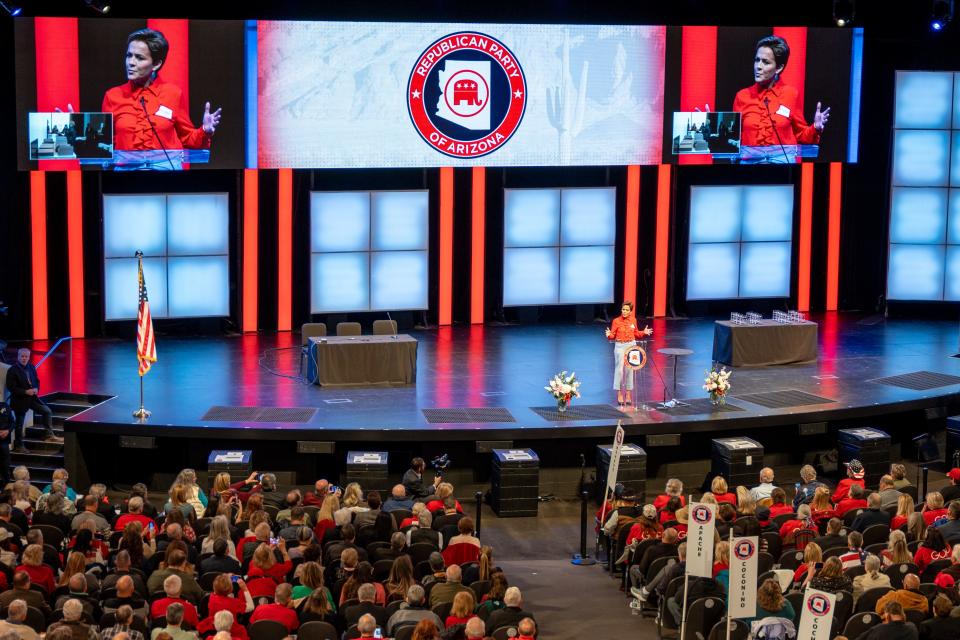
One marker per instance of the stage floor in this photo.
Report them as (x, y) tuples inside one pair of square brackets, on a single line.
[(507, 368)]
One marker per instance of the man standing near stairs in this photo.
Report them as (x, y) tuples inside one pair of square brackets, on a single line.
[(24, 385)]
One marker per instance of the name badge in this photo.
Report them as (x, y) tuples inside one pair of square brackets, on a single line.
[(167, 112), (783, 111)]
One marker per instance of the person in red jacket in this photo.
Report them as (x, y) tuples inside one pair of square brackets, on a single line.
[(624, 332), (150, 114), (721, 491), (779, 505), (772, 114), (280, 610), (854, 476), (933, 508), (855, 500), (933, 548), (222, 598)]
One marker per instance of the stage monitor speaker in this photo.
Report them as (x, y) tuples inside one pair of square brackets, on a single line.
[(663, 440), (813, 428), (138, 442), (310, 446), (486, 446), (935, 413)]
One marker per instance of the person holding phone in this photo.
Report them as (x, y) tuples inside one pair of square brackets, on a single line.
[(264, 562), (624, 333)]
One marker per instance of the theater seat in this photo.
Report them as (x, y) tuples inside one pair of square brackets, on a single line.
[(348, 328)]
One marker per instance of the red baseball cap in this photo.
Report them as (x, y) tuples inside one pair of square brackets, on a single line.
[(954, 474), (944, 581)]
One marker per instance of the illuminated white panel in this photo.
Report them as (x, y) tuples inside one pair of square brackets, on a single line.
[(120, 287), (955, 161), (768, 213), (715, 214), (399, 220), (918, 216), (924, 100), (920, 158), (713, 271), (953, 219), (586, 275), (339, 221), (956, 101), (915, 272), (588, 217), (952, 286), (199, 286), (765, 270), (339, 282), (398, 280), (531, 217), (197, 224), (132, 222), (530, 276)]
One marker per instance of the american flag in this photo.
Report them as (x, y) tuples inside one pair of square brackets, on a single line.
[(146, 344)]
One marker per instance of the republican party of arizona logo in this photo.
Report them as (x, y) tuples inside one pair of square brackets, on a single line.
[(744, 550), (466, 94), (818, 605), (701, 514)]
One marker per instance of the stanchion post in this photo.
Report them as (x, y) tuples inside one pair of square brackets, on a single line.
[(926, 475), (478, 496), (582, 559)]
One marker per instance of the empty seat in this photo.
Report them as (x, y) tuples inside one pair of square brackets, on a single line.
[(312, 330), (384, 327), (348, 328)]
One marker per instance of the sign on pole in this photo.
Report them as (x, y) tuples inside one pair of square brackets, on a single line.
[(700, 534), (817, 616), (615, 457), (744, 554)]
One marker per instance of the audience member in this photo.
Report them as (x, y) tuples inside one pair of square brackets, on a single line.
[(908, 597)]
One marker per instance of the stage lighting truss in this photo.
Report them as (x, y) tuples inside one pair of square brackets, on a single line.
[(941, 14), (12, 9), (844, 12)]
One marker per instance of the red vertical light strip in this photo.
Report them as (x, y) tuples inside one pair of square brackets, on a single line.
[(285, 250), (176, 68), (251, 223), (38, 254), (835, 209), (631, 233), (795, 73), (698, 76), (479, 239), (75, 251), (806, 235), (661, 263), (58, 72), (445, 312)]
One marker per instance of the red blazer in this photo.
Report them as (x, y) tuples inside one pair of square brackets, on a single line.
[(786, 113), (625, 329), (167, 110)]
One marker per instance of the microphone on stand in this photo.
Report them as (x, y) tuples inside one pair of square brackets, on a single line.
[(766, 103), (393, 325), (143, 103)]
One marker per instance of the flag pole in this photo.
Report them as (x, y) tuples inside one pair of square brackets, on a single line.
[(141, 413)]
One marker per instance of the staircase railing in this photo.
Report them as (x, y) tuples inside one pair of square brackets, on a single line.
[(70, 359)]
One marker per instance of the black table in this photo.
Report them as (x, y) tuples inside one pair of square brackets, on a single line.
[(767, 343), (362, 360)]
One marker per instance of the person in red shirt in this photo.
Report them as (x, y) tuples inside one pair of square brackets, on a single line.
[(673, 488), (855, 500), (779, 505), (772, 114), (135, 514), (905, 507), (624, 332), (854, 476), (933, 548), (933, 508), (171, 587), (280, 610), (40, 574), (264, 563), (222, 598), (720, 491), (151, 114)]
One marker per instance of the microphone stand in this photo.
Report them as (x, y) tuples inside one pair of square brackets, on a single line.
[(143, 104), (773, 125)]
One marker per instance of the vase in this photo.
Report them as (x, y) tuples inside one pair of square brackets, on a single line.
[(717, 400), (561, 405)]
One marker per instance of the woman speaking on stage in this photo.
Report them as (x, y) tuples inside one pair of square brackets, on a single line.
[(773, 122), (150, 116), (624, 333)]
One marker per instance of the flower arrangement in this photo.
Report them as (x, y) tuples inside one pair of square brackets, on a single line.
[(563, 388), (717, 385)]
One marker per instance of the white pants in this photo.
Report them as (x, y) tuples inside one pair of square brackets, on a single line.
[(619, 371)]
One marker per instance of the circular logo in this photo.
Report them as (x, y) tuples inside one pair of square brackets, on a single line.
[(635, 358), (466, 94), (701, 514), (818, 605), (744, 550)]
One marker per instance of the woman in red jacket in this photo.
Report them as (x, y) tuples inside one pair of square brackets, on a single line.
[(772, 112), (624, 332), (933, 548)]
